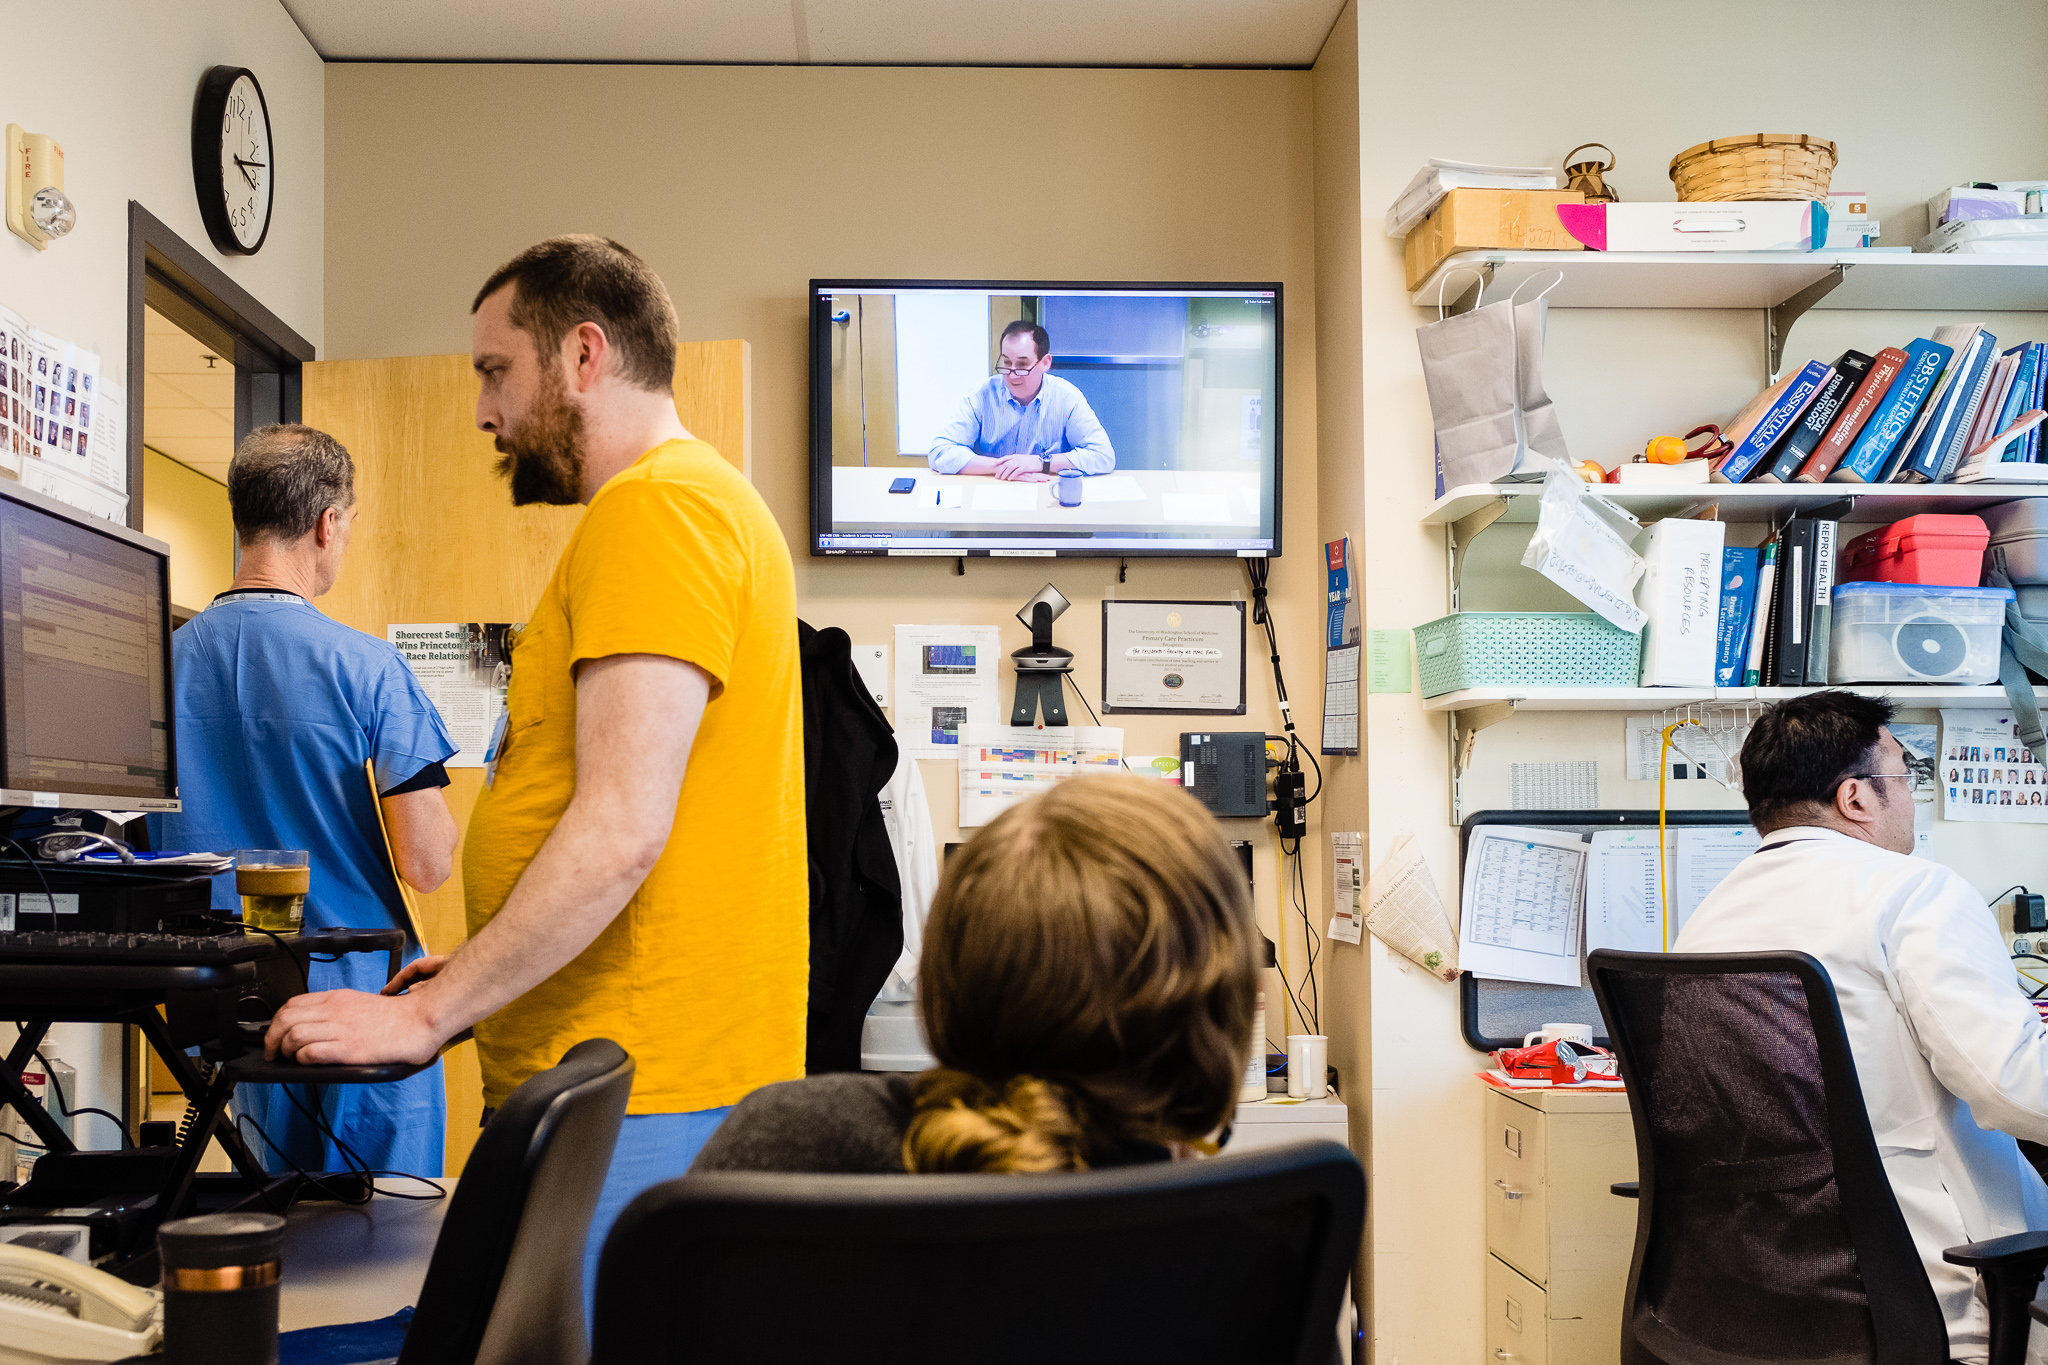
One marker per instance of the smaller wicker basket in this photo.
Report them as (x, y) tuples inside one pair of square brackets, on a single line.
[(1760, 166)]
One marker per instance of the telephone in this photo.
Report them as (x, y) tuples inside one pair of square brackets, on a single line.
[(55, 1311)]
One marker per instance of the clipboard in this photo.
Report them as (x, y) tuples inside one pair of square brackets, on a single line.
[(405, 893), (1497, 1014)]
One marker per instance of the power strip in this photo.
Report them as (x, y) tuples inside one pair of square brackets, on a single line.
[(2024, 945)]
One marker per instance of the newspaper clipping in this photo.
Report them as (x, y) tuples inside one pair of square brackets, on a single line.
[(464, 666), (1404, 911)]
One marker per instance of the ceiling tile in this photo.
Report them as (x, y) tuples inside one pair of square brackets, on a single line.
[(877, 32), (185, 423), (202, 390)]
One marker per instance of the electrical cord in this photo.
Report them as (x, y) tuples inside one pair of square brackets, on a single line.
[(1256, 571), (64, 1108), (356, 1165), (243, 926), (2020, 887), (37, 868), (1297, 895)]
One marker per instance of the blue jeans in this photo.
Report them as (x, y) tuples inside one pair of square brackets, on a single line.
[(652, 1148)]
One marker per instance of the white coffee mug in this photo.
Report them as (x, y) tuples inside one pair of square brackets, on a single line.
[(1308, 1066), (1579, 1034)]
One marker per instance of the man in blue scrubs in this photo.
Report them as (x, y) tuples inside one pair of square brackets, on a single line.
[(1023, 424), (278, 709)]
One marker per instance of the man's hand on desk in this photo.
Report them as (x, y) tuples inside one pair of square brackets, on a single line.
[(1022, 469), (354, 1028)]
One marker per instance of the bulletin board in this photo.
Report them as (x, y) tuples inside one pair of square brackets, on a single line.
[(1497, 1014)]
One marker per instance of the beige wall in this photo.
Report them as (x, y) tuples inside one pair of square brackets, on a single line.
[(740, 184), (1542, 80), (113, 82), (189, 512)]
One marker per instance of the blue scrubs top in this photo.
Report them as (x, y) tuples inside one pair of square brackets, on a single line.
[(278, 708)]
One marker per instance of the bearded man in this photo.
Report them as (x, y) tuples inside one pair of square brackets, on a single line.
[(637, 868)]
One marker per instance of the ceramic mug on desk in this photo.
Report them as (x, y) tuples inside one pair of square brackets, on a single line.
[(1067, 487), (1579, 1035)]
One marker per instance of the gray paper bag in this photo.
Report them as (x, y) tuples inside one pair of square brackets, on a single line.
[(1484, 374), (1468, 367), (1540, 431)]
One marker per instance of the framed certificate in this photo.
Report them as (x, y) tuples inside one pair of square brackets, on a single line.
[(1172, 658)]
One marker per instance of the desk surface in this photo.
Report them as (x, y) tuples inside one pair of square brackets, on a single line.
[(354, 1263), (1135, 499)]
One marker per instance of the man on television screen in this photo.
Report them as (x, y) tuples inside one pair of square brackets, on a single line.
[(1023, 423)]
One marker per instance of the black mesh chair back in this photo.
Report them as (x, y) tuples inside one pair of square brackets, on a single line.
[(506, 1280), (1240, 1259), (1767, 1229)]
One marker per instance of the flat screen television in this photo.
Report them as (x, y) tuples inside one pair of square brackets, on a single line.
[(954, 417)]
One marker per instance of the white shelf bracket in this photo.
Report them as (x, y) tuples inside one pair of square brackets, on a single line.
[(1458, 538), (1465, 728), (1778, 320)]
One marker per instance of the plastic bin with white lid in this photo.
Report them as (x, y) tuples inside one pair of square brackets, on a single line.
[(1915, 633)]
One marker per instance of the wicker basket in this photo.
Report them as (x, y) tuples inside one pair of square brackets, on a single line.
[(1760, 166)]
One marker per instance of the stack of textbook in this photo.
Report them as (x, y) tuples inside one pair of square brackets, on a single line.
[(1950, 408)]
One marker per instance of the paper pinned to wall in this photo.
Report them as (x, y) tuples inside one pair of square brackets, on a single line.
[(1521, 913), (945, 678), (1347, 886), (1405, 911), (465, 668), (1988, 773), (1624, 904), (1001, 765)]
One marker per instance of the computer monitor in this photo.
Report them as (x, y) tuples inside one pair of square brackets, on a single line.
[(1157, 407), (85, 661)]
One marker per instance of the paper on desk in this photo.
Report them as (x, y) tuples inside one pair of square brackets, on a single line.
[(945, 679), (1521, 912), (1404, 911), (1111, 488), (1006, 497), (1624, 905), (1194, 509), (1001, 765)]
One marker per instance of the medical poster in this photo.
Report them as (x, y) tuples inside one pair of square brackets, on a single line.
[(945, 678), (465, 668), (1175, 657), (1001, 765), (1987, 773), (1922, 744)]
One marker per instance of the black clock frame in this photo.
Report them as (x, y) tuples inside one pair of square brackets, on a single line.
[(207, 182)]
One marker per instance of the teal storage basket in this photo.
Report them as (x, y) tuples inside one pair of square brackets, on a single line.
[(1525, 649)]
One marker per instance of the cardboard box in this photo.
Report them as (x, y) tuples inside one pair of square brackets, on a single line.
[(1681, 593), (1475, 220), (1721, 225)]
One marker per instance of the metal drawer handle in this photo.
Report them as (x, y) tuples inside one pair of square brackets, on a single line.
[(1499, 1354), (1508, 1191)]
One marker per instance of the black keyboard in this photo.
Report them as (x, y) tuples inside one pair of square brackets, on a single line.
[(42, 945)]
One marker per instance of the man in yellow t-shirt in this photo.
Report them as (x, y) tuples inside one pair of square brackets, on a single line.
[(637, 868)]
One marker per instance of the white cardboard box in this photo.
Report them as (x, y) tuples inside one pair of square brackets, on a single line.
[(1734, 225), (1681, 594)]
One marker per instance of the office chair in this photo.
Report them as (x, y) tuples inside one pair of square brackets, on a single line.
[(1240, 1259), (506, 1280), (1768, 1230)]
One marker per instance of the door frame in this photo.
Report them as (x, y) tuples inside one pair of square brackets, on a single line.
[(167, 273)]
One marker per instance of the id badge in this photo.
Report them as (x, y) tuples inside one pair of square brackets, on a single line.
[(491, 752)]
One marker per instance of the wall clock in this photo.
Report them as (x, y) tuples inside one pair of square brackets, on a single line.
[(234, 163)]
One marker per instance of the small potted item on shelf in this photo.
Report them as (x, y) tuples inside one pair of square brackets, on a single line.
[(1669, 460)]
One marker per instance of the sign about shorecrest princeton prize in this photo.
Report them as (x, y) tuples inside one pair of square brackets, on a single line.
[(465, 668), (1175, 657)]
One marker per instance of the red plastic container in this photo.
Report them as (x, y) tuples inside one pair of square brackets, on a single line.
[(1936, 548)]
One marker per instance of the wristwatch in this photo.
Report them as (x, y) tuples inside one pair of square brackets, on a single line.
[(1045, 464)]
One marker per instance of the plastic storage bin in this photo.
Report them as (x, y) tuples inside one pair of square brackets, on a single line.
[(1933, 548), (1525, 649), (2022, 529), (1910, 632)]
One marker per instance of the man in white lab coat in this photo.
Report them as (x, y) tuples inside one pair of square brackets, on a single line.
[(1952, 1056)]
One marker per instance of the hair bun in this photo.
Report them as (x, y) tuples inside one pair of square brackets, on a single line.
[(962, 1123)]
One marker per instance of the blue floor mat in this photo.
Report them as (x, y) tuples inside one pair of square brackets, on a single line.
[(345, 1343)]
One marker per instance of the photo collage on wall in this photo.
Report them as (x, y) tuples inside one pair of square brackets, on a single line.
[(61, 424), (1989, 773)]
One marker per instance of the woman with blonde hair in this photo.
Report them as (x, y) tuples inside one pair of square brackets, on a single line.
[(1088, 981)]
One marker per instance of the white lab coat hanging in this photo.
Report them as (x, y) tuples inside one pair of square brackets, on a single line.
[(1951, 1054)]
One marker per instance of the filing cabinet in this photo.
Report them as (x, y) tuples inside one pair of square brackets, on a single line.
[(1558, 1241)]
